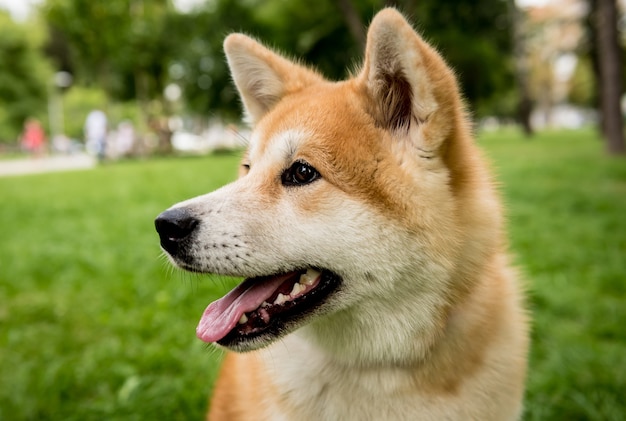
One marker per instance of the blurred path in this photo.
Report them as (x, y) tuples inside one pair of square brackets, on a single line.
[(13, 167)]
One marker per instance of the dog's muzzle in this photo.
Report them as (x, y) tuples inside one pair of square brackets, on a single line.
[(174, 227)]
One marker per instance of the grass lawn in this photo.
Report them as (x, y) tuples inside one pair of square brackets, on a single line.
[(95, 324), (567, 219)]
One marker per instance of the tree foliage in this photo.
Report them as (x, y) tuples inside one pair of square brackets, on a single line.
[(473, 36), (23, 77), (121, 46), (475, 39), (317, 35), (134, 48)]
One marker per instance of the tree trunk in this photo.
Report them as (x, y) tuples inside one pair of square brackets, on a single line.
[(520, 58), (610, 69), (353, 20), (592, 31)]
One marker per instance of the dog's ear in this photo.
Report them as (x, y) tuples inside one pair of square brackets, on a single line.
[(408, 84), (263, 77)]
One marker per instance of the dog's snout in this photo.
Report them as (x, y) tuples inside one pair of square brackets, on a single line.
[(173, 226)]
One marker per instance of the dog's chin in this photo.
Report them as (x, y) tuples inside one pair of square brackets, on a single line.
[(262, 309)]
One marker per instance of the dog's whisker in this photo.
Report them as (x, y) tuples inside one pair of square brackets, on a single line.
[(244, 140)]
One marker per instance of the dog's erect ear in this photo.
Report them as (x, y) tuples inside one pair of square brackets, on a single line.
[(263, 77), (408, 83)]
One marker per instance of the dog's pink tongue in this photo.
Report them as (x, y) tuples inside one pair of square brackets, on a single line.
[(222, 315)]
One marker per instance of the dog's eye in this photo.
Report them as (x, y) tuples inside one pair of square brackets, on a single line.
[(298, 174)]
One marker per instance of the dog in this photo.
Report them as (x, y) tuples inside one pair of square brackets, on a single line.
[(370, 235)]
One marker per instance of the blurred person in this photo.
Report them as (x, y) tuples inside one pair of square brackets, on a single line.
[(33, 138), (125, 138), (96, 133)]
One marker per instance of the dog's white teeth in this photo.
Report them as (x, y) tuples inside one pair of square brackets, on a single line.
[(281, 298), (243, 319), (296, 290), (306, 279), (309, 277)]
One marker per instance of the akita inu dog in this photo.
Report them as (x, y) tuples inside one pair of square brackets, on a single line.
[(370, 235)]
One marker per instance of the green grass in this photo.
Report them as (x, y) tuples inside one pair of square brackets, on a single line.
[(567, 220), (94, 323)]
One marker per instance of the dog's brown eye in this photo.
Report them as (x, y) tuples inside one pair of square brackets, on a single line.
[(298, 174)]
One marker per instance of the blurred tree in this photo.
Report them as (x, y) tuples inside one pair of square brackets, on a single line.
[(609, 72), (316, 34), (353, 21), (24, 76), (122, 46), (581, 90), (134, 48), (522, 68), (199, 66), (473, 36)]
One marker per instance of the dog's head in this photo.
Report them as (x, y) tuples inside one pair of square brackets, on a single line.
[(349, 196)]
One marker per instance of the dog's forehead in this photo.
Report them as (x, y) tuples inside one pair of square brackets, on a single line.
[(326, 119), (279, 146)]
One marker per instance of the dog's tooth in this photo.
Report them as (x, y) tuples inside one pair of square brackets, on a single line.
[(243, 319), (265, 304), (309, 277), (297, 289), (280, 299)]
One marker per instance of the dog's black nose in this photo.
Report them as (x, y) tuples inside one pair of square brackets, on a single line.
[(173, 226)]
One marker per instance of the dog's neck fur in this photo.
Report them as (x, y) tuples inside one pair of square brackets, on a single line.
[(405, 329)]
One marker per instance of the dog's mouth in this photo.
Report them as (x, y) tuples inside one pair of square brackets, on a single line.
[(265, 306)]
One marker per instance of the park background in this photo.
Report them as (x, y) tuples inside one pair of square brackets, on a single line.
[(95, 323)]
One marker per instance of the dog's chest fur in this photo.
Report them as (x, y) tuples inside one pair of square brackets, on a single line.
[(311, 387)]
